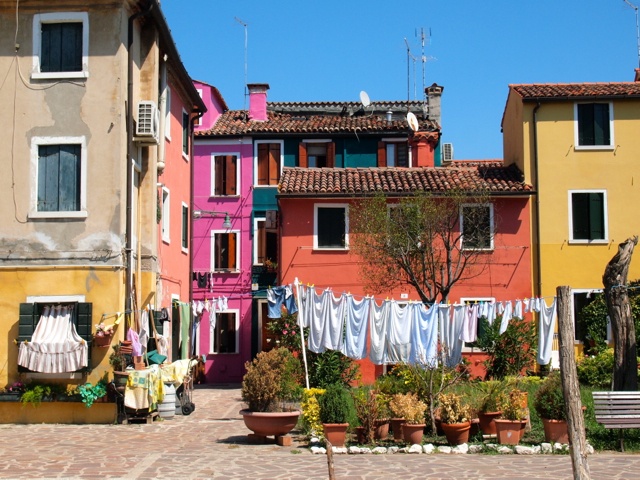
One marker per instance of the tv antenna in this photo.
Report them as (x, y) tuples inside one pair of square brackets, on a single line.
[(408, 70), (245, 59), (637, 27)]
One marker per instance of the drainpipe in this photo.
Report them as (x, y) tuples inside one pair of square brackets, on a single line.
[(192, 200), (129, 219), (537, 187)]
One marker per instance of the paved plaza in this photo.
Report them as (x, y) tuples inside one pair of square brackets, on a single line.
[(212, 443)]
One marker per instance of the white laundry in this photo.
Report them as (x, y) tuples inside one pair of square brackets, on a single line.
[(424, 334), (399, 333), (451, 326), (546, 331), (378, 325), (507, 315), (470, 327), (357, 322)]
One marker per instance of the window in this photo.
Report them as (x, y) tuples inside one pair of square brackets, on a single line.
[(60, 45), (594, 125), (166, 215), (198, 120), (266, 244), (317, 154), (331, 226), (185, 227), (268, 163), (476, 222), (185, 134), (60, 164), (225, 175), (587, 220), (167, 113), (225, 252), (225, 332), (393, 154)]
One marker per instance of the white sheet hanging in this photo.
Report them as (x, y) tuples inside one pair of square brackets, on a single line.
[(378, 326), (399, 333), (547, 328), (424, 334), (55, 345), (451, 332), (357, 321)]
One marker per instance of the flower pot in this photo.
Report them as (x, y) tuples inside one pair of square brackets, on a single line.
[(412, 432), (555, 431), (487, 425), (335, 433), (509, 432), (381, 431), (360, 435), (102, 341), (456, 433), (270, 423), (396, 428)]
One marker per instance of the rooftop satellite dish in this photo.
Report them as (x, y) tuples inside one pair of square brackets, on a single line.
[(364, 98), (412, 120)]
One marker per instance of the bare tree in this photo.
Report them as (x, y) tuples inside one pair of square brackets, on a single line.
[(625, 367), (421, 240)]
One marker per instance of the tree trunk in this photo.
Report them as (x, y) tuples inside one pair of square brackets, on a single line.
[(571, 387), (625, 368)]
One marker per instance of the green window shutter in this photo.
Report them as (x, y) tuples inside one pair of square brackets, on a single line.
[(27, 321), (601, 124), (596, 216), (580, 216), (84, 324)]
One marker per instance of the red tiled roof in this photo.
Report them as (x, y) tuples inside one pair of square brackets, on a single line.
[(235, 122), (577, 90), (492, 177)]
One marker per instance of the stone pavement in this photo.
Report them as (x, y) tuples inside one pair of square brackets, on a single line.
[(211, 443)]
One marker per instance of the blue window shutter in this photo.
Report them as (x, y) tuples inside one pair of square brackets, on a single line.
[(28, 319), (61, 49), (58, 178)]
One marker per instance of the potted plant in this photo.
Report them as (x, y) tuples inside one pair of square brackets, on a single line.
[(103, 335), (549, 404), (409, 407), (489, 401), (455, 417), (12, 392), (269, 386), (510, 427), (366, 407), (89, 393), (336, 412), (381, 423), (119, 361)]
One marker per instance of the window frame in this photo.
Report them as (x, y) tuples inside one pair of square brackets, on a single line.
[(605, 217), (59, 17), (186, 141), (213, 173), (257, 240), (165, 225), (36, 142), (576, 123), (213, 332), (491, 246), (345, 208), (185, 228), (255, 162), (167, 115), (214, 267), (469, 348), (383, 152)]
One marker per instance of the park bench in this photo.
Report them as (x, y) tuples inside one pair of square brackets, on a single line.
[(617, 410)]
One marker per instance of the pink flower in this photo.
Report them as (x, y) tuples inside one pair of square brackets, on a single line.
[(284, 332)]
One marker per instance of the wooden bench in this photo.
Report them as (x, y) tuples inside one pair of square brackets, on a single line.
[(617, 410)]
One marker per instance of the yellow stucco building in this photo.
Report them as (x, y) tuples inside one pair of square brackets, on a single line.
[(578, 145)]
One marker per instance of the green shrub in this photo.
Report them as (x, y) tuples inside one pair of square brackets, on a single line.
[(549, 399), (336, 405), (331, 367), (597, 370)]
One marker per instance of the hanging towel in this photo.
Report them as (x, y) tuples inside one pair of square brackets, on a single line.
[(424, 334), (333, 310), (185, 325), (507, 315), (144, 331), (399, 333), (546, 331), (470, 327), (316, 319), (378, 325), (451, 332), (357, 319)]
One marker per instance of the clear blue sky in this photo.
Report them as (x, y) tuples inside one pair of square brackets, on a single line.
[(330, 50)]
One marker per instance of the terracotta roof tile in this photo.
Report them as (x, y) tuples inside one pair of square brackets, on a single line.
[(471, 176), (577, 90)]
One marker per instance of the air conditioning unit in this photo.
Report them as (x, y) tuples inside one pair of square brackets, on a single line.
[(447, 152), (148, 124)]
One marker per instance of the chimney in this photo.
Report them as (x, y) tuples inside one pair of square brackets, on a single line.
[(434, 95), (258, 101), (637, 77)]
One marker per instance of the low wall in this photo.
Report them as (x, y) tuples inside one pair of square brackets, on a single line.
[(58, 412)]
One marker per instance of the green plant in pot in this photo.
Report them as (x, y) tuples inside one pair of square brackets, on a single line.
[(269, 387), (366, 407), (510, 427), (489, 401), (409, 407), (336, 413), (455, 415), (549, 404), (89, 393)]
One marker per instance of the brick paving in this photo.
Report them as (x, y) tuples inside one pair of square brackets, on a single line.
[(212, 443)]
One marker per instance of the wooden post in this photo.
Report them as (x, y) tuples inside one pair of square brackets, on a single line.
[(625, 367), (332, 474), (571, 387)]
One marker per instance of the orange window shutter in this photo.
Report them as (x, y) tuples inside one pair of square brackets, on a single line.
[(274, 163), (231, 174), (219, 174), (263, 164), (382, 154), (232, 252), (331, 155), (302, 155)]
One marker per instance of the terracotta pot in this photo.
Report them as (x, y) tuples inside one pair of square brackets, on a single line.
[(555, 430), (381, 431), (412, 432), (487, 425), (335, 433), (270, 423), (456, 433), (509, 432), (396, 428), (103, 341)]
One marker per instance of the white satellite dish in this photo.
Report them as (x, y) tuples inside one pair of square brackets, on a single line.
[(412, 120), (364, 98)]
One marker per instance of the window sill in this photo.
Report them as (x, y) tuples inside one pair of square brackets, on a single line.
[(588, 242), (53, 215), (60, 75), (330, 249), (594, 147), (166, 240), (226, 271)]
